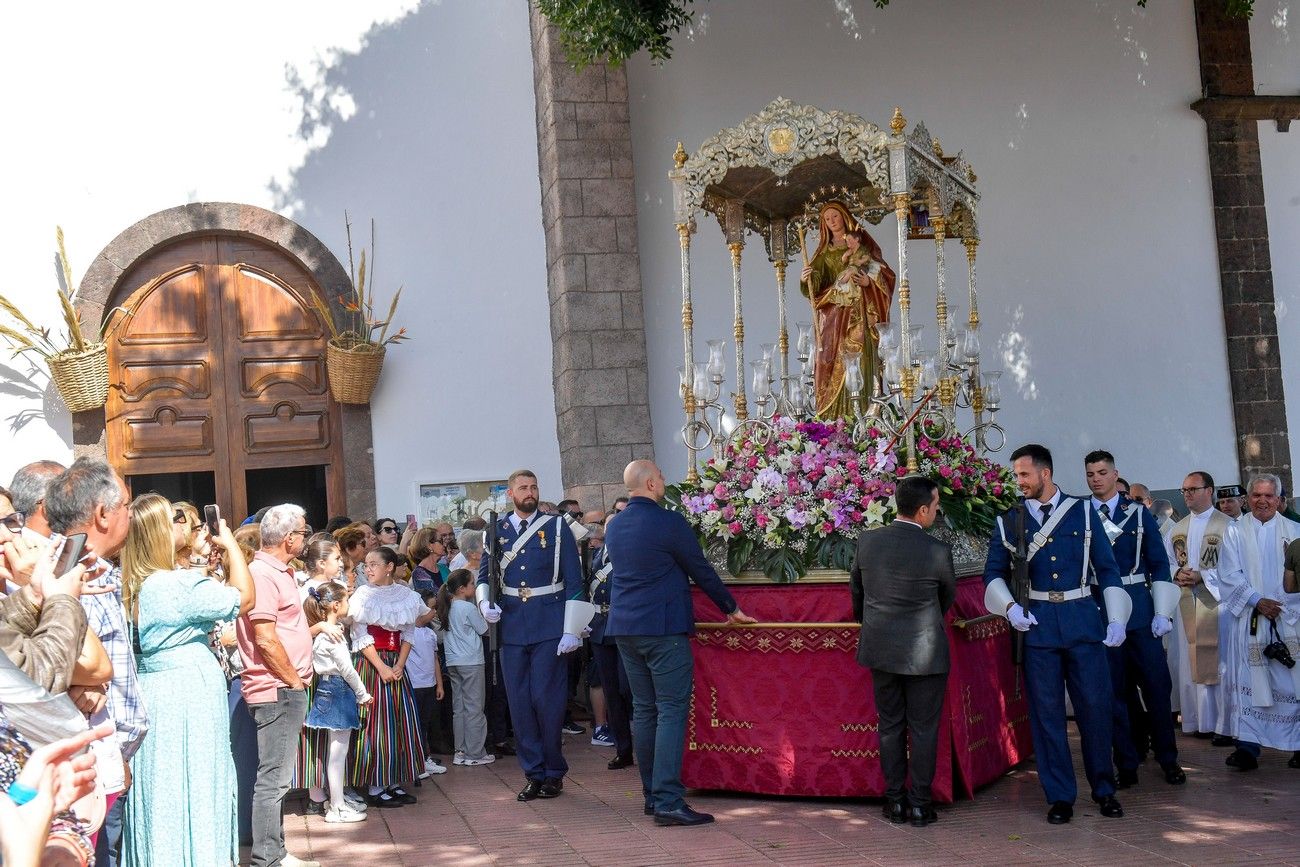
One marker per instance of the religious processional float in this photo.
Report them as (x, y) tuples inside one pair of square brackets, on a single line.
[(784, 475), (799, 463)]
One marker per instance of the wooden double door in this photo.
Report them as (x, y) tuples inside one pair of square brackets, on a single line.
[(219, 380)]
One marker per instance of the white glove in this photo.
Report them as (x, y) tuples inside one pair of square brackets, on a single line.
[(1161, 625), (1020, 619), (491, 613), (568, 644), (1114, 634)]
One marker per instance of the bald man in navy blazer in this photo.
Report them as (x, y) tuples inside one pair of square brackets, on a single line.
[(656, 556)]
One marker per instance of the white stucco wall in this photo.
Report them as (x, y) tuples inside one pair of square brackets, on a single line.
[(1275, 40), (1097, 265), (421, 115)]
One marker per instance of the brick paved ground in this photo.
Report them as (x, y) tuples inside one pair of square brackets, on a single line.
[(469, 816)]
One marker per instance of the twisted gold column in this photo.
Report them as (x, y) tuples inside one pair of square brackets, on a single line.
[(742, 407)]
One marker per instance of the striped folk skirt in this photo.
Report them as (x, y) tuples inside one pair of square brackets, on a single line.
[(388, 749), (309, 764)]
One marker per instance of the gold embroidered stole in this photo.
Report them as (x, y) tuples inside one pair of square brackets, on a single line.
[(1198, 606)]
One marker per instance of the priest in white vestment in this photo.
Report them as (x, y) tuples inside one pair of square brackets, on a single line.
[(1259, 691), (1199, 547)]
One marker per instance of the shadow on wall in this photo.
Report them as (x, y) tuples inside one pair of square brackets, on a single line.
[(34, 385)]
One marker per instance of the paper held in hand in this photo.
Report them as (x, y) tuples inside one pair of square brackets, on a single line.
[(577, 614)]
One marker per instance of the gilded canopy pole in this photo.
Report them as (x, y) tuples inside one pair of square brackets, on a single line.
[(973, 322), (947, 381), (902, 204), (782, 334), (734, 228), (688, 340)]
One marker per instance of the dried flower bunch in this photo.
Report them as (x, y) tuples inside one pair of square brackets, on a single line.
[(355, 327), (29, 337)]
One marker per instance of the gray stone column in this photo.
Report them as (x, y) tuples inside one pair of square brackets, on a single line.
[(584, 148), (1241, 229)]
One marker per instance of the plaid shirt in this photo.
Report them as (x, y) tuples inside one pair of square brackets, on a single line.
[(107, 619)]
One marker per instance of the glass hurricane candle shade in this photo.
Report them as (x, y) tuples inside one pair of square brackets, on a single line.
[(805, 340), (852, 372), (971, 345), (717, 365), (702, 383), (888, 338), (992, 388), (762, 385)]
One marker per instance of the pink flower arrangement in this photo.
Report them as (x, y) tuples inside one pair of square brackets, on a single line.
[(807, 481)]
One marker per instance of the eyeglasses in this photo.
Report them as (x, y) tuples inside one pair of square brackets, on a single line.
[(305, 531), (179, 517), (1186, 491), (14, 521)]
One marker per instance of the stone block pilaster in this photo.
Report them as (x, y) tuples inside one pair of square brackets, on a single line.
[(1241, 230), (584, 147)]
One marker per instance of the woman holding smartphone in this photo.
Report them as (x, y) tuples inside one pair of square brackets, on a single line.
[(182, 805)]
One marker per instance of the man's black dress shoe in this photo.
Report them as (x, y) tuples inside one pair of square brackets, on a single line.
[(1109, 807), (1060, 813), (684, 816), (922, 816), (550, 789), (1223, 741), (1126, 777), (1174, 775), (531, 791), (1294, 761), (1241, 760), (896, 811), (623, 760)]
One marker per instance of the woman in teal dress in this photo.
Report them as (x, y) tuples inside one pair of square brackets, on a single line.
[(181, 805)]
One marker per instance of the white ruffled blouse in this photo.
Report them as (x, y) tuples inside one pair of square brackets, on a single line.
[(395, 607)]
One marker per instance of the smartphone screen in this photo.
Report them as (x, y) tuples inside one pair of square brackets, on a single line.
[(410, 519), (70, 555), (212, 517)]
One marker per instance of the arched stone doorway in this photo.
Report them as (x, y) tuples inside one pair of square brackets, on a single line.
[(218, 384)]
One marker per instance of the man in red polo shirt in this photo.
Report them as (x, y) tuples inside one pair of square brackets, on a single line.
[(276, 645)]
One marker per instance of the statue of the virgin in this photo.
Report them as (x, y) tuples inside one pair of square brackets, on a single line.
[(851, 289)]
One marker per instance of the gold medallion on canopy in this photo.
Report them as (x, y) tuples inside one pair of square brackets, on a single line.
[(809, 182)]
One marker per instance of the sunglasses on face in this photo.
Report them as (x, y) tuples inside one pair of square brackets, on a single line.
[(388, 529), (179, 518), (14, 522)]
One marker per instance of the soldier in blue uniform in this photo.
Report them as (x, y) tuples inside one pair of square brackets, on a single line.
[(609, 666), (1140, 661), (1065, 544), (540, 571)]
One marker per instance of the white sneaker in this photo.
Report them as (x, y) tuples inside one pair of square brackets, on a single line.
[(486, 760), (344, 815), (293, 861), (432, 767), (355, 803), (458, 759)]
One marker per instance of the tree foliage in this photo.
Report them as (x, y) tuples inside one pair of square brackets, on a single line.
[(611, 31)]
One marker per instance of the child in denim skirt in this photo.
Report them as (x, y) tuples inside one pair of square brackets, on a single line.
[(338, 696)]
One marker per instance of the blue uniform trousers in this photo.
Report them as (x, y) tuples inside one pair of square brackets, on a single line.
[(1140, 661), (537, 687), (660, 670), (1083, 670)]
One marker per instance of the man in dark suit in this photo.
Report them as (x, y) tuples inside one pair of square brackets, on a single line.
[(656, 556), (902, 585)]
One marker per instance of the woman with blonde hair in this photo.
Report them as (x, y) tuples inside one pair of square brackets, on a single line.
[(182, 802)]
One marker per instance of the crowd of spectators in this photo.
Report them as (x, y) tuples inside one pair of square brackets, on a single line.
[(176, 668)]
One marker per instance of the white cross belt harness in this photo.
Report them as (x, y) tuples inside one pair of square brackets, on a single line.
[(1059, 595)]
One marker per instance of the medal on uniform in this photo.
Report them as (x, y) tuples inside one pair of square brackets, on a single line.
[(541, 534)]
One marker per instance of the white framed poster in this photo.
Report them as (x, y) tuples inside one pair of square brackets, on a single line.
[(454, 502)]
